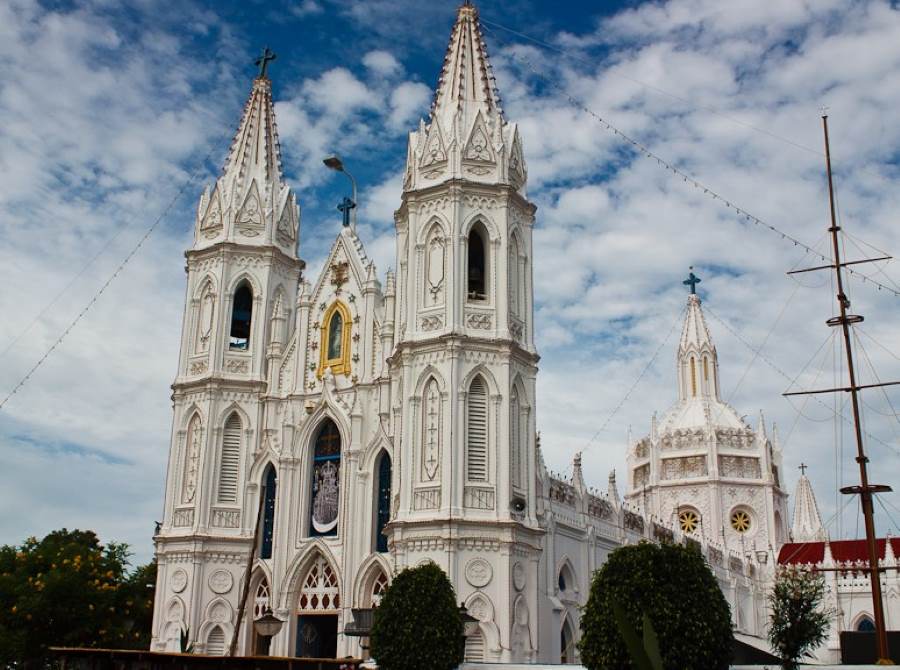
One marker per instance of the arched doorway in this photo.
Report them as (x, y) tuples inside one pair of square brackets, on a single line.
[(317, 611)]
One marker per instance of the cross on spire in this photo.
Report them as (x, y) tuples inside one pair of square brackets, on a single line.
[(263, 61), (344, 208), (692, 281), (802, 469)]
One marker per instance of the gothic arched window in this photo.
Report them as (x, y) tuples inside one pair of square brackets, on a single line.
[(241, 318), (477, 264), (865, 625), (326, 471), (335, 344), (477, 432), (270, 483), (383, 502), (230, 459)]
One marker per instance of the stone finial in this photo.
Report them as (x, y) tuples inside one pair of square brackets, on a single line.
[(577, 474), (612, 490)]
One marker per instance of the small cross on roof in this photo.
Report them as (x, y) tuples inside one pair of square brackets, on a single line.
[(263, 61), (802, 468), (692, 281)]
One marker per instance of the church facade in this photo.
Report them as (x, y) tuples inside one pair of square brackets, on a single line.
[(364, 428)]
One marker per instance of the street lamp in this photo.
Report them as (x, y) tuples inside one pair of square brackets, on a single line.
[(267, 626), (470, 623), (335, 163)]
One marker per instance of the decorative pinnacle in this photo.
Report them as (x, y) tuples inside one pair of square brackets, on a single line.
[(692, 281), (263, 61)]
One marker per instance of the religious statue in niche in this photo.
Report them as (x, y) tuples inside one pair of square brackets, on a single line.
[(335, 336)]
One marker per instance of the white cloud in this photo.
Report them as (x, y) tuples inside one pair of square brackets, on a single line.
[(101, 129), (382, 62)]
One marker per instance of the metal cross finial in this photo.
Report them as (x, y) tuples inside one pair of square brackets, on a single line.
[(802, 469), (692, 281), (344, 208), (263, 61)]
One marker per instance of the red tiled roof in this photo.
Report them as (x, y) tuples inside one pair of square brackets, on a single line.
[(795, 553)]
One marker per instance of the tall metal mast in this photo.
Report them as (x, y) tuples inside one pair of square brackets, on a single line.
[(864, 490)]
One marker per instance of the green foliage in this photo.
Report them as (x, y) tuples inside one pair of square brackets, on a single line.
[(644, 650), (417, 624), (69, 590), (675, 590), (798, 623)]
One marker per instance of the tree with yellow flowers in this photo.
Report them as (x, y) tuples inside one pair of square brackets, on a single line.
[(69, 590)]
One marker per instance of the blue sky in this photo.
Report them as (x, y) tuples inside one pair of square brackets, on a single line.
[(111, 109)]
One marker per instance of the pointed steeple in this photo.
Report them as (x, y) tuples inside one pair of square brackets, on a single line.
[(807, 524), (466, 83), (698, 364), (251, 203)]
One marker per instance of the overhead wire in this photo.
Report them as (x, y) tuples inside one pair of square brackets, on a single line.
[(689, 179), (637, 381), (192, 178)]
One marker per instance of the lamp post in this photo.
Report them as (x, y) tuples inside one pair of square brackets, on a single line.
[(267, 626), (335, 163), (470, 624)]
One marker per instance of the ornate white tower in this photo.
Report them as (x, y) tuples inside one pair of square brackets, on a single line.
[(701, 465), (242, 276), (464, 364)]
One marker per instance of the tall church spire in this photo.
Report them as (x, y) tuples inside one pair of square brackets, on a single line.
[(255, 151), (698, 363), (251, 203), (806, 525), (466, 83)]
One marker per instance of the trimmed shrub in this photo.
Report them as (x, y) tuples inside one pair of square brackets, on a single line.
[(417, 625), (676, 590)]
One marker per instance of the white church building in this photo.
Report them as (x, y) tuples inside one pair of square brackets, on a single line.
[(379, 426)]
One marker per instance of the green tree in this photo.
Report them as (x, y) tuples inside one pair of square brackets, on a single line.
[(674, 588), (417, 625), (798, 622), (70, 590)]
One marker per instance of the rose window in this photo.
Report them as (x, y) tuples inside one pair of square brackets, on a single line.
[(740, 521), (689, 520)]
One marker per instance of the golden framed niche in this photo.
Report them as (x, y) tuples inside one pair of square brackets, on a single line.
[(334, 343)]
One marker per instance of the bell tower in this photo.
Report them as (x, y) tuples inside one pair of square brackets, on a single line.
[(242, 274), (464, 364)]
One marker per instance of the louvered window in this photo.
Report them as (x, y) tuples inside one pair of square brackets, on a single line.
[(475, 647), (476, 432), (215, 643), (231, 458)]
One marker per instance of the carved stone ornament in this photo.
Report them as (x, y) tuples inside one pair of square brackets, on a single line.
[(198, 367), (236, 365), (430, 323), (221, 581), (339, 272), (518, 576), (249, 219), (478, 320), (183, 517), (479, 572), (219, 613), (178, 581)]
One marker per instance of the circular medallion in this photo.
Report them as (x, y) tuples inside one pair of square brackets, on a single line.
[(479, 572), (178, 581), (221, 581), (518, 576)]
